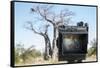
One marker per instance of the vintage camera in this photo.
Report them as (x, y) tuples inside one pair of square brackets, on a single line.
[(72, 42)]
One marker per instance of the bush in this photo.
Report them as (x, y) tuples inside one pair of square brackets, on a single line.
[(23, 55), (93, 49)]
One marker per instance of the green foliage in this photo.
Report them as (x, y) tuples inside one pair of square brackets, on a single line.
[(25, 55), (17, 57), (93, 49)]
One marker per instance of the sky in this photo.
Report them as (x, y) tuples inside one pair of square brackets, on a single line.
[(28, 38)]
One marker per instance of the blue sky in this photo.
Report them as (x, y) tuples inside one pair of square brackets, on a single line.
[(28, 38)]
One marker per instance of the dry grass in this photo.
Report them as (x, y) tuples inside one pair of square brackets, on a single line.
[(40, 61)]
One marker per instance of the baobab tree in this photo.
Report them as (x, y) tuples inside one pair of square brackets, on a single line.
[(47, 13), (44, 34)]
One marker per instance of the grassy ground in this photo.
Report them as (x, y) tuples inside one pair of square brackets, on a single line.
[(40, 61)]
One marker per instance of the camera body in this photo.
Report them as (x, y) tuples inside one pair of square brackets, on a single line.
[(72, 43)]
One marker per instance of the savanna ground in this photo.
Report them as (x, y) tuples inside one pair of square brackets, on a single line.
[(40, 61)]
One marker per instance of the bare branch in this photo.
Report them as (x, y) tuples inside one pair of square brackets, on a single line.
[(46, 28), (43, 12), (44, 15), (30, 27), (64, 16)]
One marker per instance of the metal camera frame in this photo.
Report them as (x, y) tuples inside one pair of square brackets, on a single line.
[(82, 32)]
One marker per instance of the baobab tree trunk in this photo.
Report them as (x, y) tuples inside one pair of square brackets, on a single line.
[(49, 47), (48, 51), (55, 49)]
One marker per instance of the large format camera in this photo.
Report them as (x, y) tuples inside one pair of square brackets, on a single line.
[(72, 42)]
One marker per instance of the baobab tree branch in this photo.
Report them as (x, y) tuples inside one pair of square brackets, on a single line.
[(43, 13), (64, 16), (60, 18), (30, 27), (46, 28)]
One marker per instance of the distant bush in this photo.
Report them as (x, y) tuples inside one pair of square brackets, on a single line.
[(22, 55), (93, 49)]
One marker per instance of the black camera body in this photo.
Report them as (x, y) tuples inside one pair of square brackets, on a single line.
[(72, 43)]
